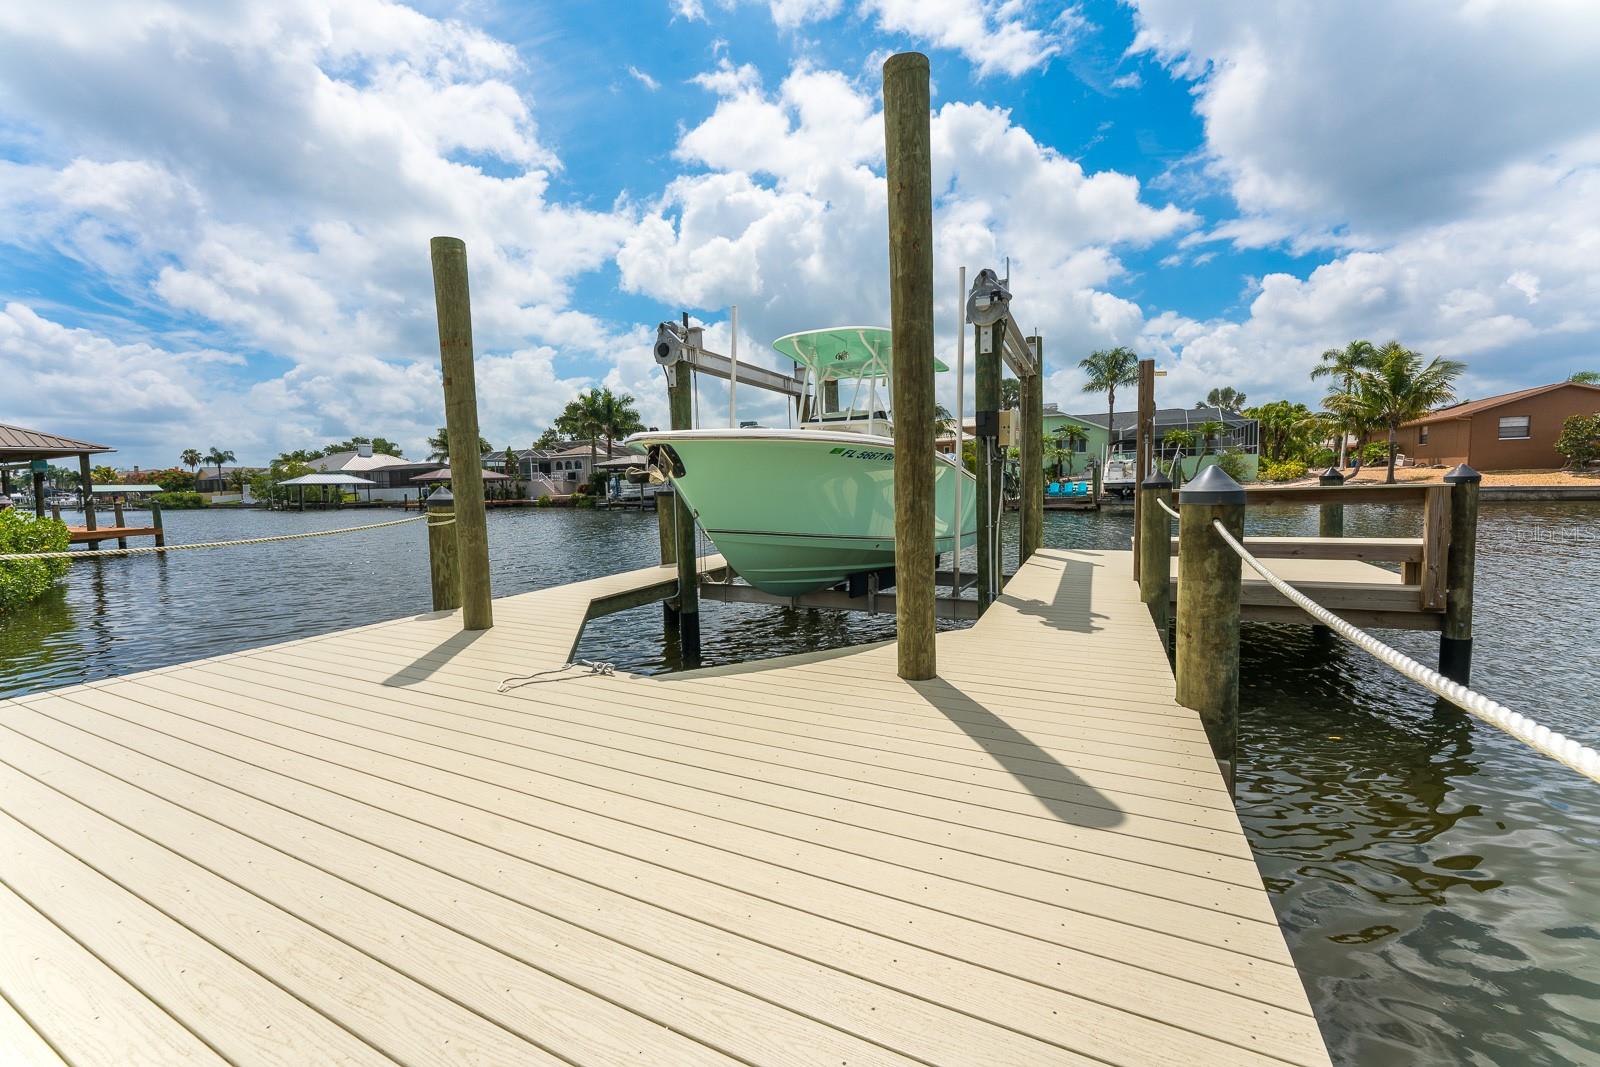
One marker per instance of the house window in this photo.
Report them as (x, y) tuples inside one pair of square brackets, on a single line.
[(1079, 444), (1514, 428), (1422, 436)]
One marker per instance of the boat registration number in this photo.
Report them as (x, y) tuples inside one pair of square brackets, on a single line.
[(862, 453)]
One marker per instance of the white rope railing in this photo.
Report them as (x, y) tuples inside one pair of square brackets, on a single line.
[(152, 549), (1563, 749), (1167, 508)]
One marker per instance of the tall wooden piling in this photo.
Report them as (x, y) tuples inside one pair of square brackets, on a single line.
[(680, 407), (1031, 512), (120, 519), (444, 570), (1143, 451), (909, 168), (155, 520), (1209, 584), (1154, 554), (453, 305), (988, 342), (1330, 517), (1455, 640)]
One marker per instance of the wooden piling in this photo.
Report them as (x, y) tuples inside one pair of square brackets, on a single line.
[(1143, 450), (155, 520), (116, 511), (87, 495), (1330, 518), (909, 168), (988, 343), (452, 301), (38, 495), (680, 404), (1154, 553), (1209, 583), (444, 569), (1455, 640), (1032, 511)]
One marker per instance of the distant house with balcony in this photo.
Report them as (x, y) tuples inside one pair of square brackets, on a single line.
[(1511, 431)]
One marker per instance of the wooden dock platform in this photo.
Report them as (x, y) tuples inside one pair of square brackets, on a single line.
[(353, 848)]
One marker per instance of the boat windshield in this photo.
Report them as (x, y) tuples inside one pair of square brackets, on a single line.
[(862, 355)]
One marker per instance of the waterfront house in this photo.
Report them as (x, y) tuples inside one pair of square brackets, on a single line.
[(1511, 431)]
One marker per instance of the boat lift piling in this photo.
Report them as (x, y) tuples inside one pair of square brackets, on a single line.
[(1031, 532), (908, 165)]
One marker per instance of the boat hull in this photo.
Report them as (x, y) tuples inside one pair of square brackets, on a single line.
[(794, 511)]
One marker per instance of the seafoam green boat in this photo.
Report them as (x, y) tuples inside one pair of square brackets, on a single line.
[(802, 509)]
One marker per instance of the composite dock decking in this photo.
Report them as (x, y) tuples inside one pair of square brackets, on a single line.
[(353, 849)]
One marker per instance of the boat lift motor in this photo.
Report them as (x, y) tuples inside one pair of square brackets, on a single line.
[(988, 302), (672, 347)]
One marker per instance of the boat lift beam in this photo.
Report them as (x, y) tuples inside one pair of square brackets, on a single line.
[(676, 346), (876, 603)]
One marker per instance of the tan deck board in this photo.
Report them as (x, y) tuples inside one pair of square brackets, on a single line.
[(795, 862)]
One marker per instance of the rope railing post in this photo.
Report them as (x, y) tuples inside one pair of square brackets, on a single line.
[(155, 521), (444, 568), (1155, 552), (1330, 520), (1209, 584), (1455, 639)]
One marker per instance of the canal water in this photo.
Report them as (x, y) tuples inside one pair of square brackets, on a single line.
[(1438, 883)]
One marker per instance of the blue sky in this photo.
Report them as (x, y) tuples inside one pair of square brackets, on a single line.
[(216, 216)]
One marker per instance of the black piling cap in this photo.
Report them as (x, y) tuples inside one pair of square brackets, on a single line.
[(1213, 486), (1156, 481), (1463, 473), (1332, 476)]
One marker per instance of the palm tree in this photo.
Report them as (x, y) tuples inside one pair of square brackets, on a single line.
[(1070, 436), (1226, 398), (1398, 388), (581, 418), (1107, 369), (219, 456), (1345, 364), (1585, 377), (192, 459), (440, 445), (1179, 441), (1208, 431), (617, 417)]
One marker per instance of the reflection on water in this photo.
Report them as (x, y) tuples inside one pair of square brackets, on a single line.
[(1438, 883)]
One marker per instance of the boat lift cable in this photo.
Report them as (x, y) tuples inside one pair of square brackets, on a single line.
[(1562, 749), (152, 549)]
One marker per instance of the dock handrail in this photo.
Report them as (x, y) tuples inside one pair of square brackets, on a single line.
[(12, 557), (1563, 749)]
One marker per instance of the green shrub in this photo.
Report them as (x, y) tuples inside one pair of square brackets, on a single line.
[(544, 501), (581, 499), (1580, 440), (1322, 458), (27, 580), (1375, 453), (1232, 464), (1287, 471), (180, 501)]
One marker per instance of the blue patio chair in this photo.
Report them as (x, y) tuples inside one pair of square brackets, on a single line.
[(1053, 489)]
